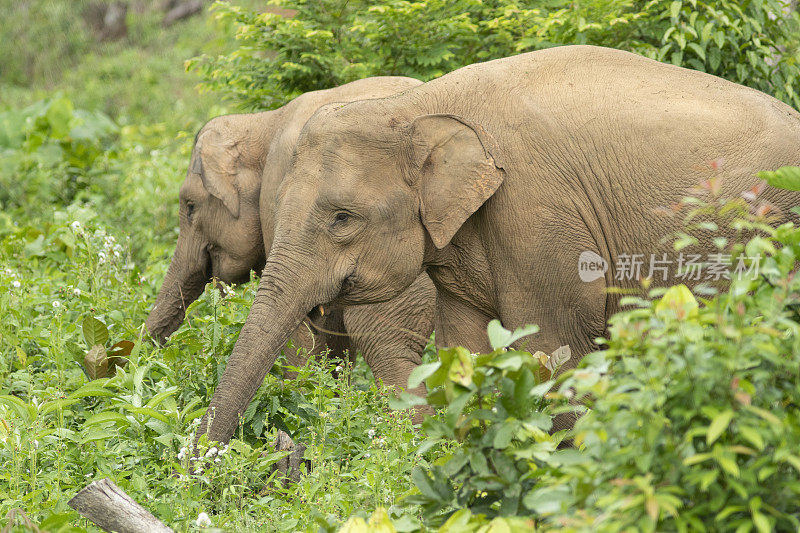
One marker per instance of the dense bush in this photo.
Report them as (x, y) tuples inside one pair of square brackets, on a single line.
[(314, 45), (697, 425), (493, 405), (50, 139)]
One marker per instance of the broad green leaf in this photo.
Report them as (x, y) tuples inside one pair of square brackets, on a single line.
[(146, 411), (421, 373), (783, 178), (54, 405), (461, 370), (107, 417), (761, 522), (793, 460), (94, 331), (96, 362), (753, 436), (679, 300), (500, 337), (95, 388), (728, 463), (27, 412), (161, 396), (675, 8), (93, 433), (504, 435), (719, 424), (405, 400), (424, 484), (697, 458)]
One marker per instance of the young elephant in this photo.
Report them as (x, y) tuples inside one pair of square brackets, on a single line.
[(226, 225), (496, 179)]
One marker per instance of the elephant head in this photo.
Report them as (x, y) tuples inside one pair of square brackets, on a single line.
[(369, 196), (220, 231)]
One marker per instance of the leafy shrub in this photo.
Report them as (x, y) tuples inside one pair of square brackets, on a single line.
[(316, 45), (696, 425), (306, 45), (494, 424), (50, 138), (754, 43)]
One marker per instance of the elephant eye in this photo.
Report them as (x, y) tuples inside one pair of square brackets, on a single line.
[(190, 210), (341, 217)]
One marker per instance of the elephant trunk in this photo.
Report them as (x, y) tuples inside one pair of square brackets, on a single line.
[(181, 287), (281, 304)]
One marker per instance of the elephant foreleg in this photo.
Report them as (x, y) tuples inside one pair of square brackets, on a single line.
[(392, 335)]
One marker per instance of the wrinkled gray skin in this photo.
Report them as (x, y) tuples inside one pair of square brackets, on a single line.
[(493, 179), (227, 206)]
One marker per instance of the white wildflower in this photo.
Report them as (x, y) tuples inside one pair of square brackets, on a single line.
[(76, 292), (339, 368), (101, 257), (203, 520), (217, 460), (16, 284), (371, 433), (56, 304), (380, 441), (212, 451), (182, 453), (367, 455), (8, 272), (36, 444), (224, 450), (75, 226)]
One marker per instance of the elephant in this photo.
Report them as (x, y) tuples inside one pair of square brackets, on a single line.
[(226, 208), (494, 179)]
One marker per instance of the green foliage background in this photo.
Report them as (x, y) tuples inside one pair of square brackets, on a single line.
[(94, 142), (313, 45)]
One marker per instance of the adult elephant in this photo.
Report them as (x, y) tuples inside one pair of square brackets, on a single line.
[(227, 204), (494, 179)]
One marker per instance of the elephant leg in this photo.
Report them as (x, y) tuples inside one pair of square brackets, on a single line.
[(460, 324), (569, 313), (392, 335)]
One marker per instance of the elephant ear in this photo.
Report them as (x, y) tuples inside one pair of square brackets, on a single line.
[(455, 169), (217, 162)]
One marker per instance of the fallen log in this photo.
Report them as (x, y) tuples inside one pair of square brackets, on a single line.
[(109, 507), (182, 11)]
